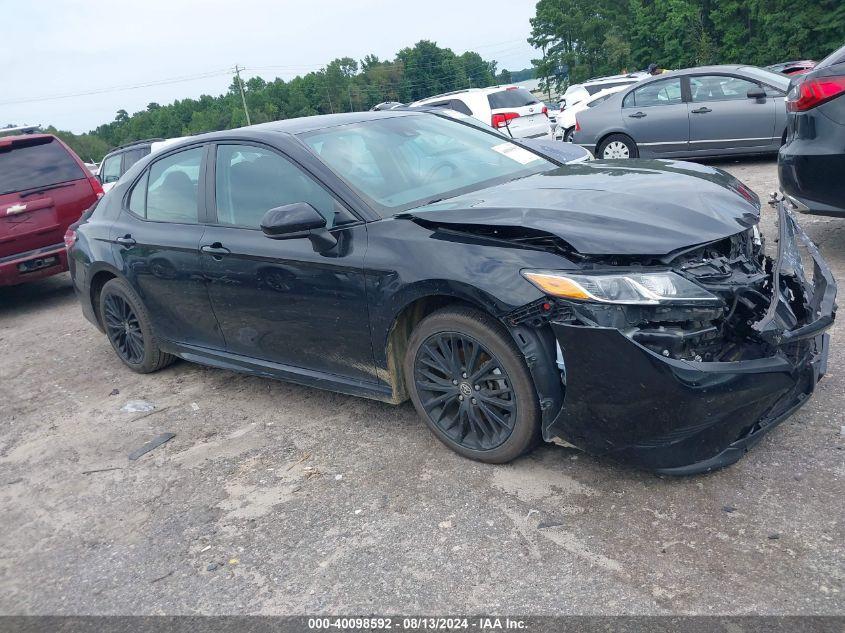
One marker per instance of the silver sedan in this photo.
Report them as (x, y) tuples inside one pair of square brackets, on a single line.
[(704, 111)]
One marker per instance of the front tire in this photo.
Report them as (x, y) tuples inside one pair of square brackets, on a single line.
[(568, 135), (471, 385), (618, 146), (129, 330)]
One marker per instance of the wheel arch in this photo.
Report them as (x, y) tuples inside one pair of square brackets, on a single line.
[(537, 345), (412, 306), (99, 276), (605, 135)]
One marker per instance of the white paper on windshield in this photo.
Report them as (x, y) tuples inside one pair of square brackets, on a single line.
[(515, 152)]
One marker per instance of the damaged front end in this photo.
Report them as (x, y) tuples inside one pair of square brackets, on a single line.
[(681, 363)]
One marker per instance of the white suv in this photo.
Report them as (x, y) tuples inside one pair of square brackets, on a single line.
[(576, 93), (510, 109)]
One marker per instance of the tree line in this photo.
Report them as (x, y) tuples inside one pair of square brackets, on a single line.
[(589, 38), (344, 85)]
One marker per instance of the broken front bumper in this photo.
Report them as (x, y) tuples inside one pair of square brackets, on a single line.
[(682, 417)]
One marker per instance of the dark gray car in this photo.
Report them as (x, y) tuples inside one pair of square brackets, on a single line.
[(704, 111)]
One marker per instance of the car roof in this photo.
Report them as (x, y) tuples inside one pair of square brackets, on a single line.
[(17, 138), (300, 125), (474, 91)]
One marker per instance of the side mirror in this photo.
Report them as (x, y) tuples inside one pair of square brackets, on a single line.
[(291, 220), (756, 93)]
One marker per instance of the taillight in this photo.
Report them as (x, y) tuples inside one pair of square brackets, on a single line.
[(501, 119), (96, 186), (577, 126), (545, 111), (70, 237), (813, 92)]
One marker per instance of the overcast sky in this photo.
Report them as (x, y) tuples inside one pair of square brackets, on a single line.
[(60, 47)]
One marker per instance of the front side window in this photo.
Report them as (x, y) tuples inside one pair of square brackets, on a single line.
[(407, 161), (720, 88), (172, 187), (250, 180), (657, 93), (110, 171)]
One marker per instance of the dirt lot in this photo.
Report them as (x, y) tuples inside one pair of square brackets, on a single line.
[(274, 498)]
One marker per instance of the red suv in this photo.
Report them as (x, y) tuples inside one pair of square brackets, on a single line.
[(44, 188)]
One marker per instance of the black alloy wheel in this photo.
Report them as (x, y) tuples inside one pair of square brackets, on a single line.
[(465, 391), (129, 328), (123, 329)]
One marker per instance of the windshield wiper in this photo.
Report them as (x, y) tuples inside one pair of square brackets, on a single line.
[(45, 189)]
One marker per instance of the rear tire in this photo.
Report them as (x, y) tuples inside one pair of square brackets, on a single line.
[(129, 330), (618, 146), (470, 384), (568, 134)]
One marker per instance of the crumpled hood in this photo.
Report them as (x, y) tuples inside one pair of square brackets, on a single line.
[(636, 207)]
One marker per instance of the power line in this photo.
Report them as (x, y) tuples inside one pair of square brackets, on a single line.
[(160, 82)]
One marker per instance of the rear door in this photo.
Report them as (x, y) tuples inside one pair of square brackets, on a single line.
[(43, 190), (723, 119), (156, 240), (519, 113), (656, 117)]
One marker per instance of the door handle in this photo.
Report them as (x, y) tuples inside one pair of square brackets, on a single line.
[(637, 115), (126, 240), (701, 111), (216, 250)]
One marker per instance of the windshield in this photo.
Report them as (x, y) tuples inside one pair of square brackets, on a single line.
[(407, 161)]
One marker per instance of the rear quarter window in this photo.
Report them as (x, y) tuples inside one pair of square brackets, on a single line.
[(511, 99), (41, 163)]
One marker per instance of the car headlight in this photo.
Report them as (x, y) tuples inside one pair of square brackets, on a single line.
[(626, 288)]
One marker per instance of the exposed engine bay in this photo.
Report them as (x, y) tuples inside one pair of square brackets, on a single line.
[(736, 269)]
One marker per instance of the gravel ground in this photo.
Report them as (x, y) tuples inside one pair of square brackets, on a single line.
[(279, 499)]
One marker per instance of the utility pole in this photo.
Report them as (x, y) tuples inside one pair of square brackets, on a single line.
[(243, 97)]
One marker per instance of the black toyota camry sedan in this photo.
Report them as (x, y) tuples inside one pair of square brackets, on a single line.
[(628, 308)]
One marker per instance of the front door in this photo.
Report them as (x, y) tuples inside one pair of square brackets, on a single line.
[(724, 119), (285, 301), (655, 116), (156, 241)]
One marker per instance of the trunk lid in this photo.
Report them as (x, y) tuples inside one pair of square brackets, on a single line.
[(518, 112)]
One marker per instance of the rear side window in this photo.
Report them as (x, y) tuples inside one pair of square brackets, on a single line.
[(172, 187), (657, 93), (40, 163), (132, 156), (452, 104), (511, 98)]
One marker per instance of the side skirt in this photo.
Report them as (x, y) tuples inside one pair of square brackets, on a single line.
[(278, 371)]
